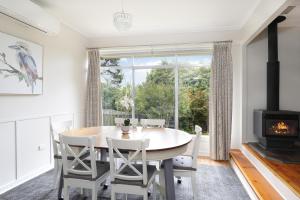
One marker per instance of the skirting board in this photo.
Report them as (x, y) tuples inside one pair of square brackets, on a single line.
[(277, 184), (244, 182), (22, 180)]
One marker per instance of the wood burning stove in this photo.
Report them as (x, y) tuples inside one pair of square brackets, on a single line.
[(276, 129)]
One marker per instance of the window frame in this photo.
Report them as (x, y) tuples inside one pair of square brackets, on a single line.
[(176, 66)]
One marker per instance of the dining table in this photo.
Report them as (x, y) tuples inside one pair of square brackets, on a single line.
[(164, 145)]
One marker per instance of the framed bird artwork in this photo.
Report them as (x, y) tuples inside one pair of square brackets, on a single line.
[(21, 66)]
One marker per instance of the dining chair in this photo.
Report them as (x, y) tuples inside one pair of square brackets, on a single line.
[(130, 178), (186, 165), (153, 123), (79, 172), (57, 128), (120, 121)]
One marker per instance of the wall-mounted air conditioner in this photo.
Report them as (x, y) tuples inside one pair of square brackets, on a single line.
[(31, 14)]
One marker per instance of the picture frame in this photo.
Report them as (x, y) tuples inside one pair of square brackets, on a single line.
[(21, 66)]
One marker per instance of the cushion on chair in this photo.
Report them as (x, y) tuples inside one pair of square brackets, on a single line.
[(102, 168), (151, 169), (183, 163)]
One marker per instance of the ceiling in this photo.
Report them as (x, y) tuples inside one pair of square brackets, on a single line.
[(293, 17), (93, 18)]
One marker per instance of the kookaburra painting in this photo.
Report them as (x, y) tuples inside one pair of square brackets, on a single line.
[(21, 70)]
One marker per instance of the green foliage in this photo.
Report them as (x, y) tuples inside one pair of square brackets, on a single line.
[(112, 75), (155, 97), (193, 98)]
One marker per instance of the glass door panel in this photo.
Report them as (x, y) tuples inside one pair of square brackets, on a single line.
[(116, 84), (155, 94), (193, 98)]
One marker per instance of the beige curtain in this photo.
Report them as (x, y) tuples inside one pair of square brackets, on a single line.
[(93, 99), (220, 101)]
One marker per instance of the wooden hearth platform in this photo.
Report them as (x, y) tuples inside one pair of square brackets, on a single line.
[(289, 174), (261, 187)]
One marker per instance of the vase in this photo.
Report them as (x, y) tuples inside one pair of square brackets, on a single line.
[(125, 129)]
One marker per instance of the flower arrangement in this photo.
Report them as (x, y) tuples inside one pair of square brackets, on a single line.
[(127, 103)]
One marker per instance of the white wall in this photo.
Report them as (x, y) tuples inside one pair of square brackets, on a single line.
[(64, 59), (163, 38), (257, 53), (237, 97), (25, 119)]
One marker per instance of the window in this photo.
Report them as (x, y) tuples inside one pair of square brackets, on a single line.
[(174, 88)]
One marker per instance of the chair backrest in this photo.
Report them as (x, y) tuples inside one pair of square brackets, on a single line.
[(72, 158), (57, 128), (196, 146), (153, 123), (120, 121), (138, 147)]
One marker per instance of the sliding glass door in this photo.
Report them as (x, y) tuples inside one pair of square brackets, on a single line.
[(174, 88)]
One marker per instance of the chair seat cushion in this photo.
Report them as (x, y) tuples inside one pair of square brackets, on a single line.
[(151, 169), (102, 168), (183, 163)]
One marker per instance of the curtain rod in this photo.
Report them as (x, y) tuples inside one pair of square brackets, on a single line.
[(154, 45)]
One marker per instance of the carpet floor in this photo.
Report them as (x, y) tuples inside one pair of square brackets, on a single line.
[(214, 183)]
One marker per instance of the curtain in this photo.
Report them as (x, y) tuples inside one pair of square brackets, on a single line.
[(220, 101), (93, 99)]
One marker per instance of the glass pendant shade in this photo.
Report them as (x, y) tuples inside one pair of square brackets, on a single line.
[(122, 21)]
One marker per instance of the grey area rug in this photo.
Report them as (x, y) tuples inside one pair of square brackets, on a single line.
[(214, 183)]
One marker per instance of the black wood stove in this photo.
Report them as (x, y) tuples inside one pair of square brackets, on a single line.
[(276, 129)]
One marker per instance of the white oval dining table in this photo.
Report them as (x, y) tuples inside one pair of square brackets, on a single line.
[(165, 144)]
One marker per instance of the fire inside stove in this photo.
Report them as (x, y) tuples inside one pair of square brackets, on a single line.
[(281, 128)]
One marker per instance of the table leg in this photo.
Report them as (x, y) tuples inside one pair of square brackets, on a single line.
[(60, 186), (169, 179), (103, 154)]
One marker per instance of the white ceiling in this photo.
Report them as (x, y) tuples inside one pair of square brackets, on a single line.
[(93, 18), (293, 17)]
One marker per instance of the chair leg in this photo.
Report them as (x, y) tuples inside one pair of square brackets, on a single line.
[(161, 185), (56, 173), (194, 185), (145, 195), (66, 192), (94, 192), (154, 189), (113, 194)]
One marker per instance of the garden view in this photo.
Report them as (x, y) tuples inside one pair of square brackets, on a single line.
[(154, 92)]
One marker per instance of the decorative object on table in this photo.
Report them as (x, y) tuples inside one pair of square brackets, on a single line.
[(127, 103), (125, 126), (21, 66)]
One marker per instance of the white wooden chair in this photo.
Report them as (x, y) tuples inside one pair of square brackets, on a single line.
[(120, 121), (153, 123), (186, 165), (57, 128), (78, 172), (130, 178)]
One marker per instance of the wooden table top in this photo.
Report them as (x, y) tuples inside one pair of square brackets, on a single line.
[(160, 138)]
